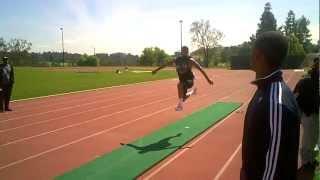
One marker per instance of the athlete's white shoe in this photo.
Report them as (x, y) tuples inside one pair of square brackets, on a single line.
[(192, 92)]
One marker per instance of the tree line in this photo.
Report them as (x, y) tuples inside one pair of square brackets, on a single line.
[(295, 29), (18, 51), (205, 37)]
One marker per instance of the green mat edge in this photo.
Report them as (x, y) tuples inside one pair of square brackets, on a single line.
[(237, 106)]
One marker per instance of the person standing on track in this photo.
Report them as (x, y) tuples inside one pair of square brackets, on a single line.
[(272, 121), (184, 64), (307, 92), (7, 75)]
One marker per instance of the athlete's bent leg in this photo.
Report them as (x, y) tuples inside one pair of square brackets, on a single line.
[(181, 95)]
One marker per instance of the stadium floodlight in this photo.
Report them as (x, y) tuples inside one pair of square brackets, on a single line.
[(180, 34), (62, 46)]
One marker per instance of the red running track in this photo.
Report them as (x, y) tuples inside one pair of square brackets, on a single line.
[(45, 137)]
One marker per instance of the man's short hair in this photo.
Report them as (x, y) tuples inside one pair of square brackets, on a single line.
[(185, 47), (274, 47)]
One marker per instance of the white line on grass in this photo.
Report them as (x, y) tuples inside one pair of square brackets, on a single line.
[(74, 99), (88, 90)]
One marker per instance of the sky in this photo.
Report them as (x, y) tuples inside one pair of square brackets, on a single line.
[(129, 26)]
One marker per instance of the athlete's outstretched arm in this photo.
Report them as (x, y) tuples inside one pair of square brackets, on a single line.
[(163, 66), (197, 65)]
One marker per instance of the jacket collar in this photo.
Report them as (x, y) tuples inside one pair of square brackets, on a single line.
[(272, 77)]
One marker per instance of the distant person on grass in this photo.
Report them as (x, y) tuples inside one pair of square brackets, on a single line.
[(184, 64), (7, 75), (307, 92), (271, 127)]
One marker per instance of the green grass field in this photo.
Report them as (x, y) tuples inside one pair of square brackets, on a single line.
[(35, 82)]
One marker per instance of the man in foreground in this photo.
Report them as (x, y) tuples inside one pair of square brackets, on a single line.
[(271, 128)]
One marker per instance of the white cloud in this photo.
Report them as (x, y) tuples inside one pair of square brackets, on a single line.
[(127, 26), (130, 29)]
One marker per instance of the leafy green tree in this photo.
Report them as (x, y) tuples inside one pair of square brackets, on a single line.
[(313, 48), (153, 56), (19, 45), (299, 28), (86, 60), (252, 39), (160, 56), (3, 47), (245, 49), (295, 48), (19, 51), (303, 33), (267, 21), (147, 58), (205, 38), (290, 24)]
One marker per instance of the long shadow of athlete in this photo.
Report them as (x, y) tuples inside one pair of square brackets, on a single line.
[(160, 145)]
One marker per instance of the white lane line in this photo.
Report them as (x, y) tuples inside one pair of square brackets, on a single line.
[(78, 140), (100, 132), (65, 116), (226, 165), (177, 155), (74, 99), (85, 122), (89, 136), (62, 109), (98, 89), (197, 140), (71, 114)]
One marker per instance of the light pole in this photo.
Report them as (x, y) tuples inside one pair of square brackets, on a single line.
[(180, 34), (62, 46)]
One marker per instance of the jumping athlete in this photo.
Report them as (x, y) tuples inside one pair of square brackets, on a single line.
[(184, 64)]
